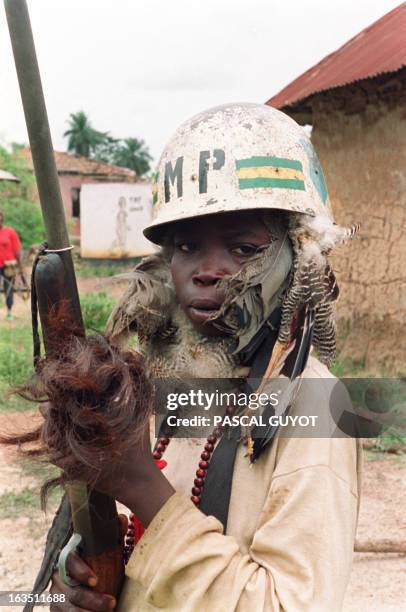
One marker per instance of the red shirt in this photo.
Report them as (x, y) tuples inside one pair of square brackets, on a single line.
[(9, 244)]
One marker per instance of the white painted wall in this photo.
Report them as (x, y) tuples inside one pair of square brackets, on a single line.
[(112, 217)]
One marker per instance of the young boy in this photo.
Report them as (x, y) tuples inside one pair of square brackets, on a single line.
[(242, 284), (10, 260)]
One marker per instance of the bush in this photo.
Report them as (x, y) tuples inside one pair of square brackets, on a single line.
[(25, 217), (20, 212), (96, 309)]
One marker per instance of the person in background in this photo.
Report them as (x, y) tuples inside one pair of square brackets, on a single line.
[(10, 260)]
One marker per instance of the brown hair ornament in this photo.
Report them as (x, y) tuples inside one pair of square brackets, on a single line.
[(98, 401)]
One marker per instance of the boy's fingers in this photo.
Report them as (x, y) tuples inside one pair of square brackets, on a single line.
[(79, 570), (59, 588), (66, 607), (81, 598), (89, 599)]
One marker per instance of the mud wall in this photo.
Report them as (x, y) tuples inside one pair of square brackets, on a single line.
[(360, 137)]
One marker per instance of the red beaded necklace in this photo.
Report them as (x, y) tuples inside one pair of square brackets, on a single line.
[(135, 527)]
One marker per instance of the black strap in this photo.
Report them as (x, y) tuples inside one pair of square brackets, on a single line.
[(34, 306), (216, 493)]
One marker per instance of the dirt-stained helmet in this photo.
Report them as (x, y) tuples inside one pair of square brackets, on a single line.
[(237, 157)]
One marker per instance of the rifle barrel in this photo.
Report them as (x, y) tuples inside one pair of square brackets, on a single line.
[(94, 515), (39, 134)]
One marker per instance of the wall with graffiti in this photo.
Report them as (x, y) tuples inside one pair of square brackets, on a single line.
[(113, 216)]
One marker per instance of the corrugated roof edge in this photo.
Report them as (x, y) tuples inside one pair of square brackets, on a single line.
[(301, 88), (297, 104)]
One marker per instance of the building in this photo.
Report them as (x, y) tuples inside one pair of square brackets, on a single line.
[(354, 99), (113, 217), (75, 171)]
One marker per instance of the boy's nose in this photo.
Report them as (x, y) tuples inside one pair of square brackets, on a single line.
[(206, 278), (209, 271)]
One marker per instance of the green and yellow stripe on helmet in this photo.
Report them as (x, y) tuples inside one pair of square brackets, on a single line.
[(277, 172)]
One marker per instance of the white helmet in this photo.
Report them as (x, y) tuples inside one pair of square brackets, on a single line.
[(237, 157)]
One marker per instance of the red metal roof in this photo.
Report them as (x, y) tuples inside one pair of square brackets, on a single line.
[(76, 164), (378, 49)]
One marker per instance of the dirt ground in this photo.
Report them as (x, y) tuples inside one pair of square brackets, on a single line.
[(378, 581)]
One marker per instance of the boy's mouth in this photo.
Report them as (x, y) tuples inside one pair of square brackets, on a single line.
[(202, 309)]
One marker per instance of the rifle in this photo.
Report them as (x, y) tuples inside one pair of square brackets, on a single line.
[(16, 284), (95, 520)]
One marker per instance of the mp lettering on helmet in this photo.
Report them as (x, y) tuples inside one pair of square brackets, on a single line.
[(206, 159), (173, 174), (237, 157)]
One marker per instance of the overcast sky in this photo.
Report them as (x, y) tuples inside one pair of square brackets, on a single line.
[(140, 68)]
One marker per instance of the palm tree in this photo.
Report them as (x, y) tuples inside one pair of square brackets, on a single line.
[(83, 139), (133, 154), (104, 150)]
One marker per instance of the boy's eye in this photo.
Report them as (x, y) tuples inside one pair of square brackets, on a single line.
[(247, 249), (185, 247)]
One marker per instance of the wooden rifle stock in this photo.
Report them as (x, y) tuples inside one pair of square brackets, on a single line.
[(94, 515)]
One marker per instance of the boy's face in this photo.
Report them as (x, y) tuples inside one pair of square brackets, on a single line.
[(208, 249)]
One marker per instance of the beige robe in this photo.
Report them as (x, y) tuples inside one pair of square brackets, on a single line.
[(290, 531)]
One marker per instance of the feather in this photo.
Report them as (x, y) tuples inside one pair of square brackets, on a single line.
[(294, 365), (313, 281), (146, 305), (328, 234)]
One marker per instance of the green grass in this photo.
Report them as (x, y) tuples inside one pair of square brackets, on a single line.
[(88, 270), (96, 309), (389, 440), (15, 353), (17, 504), (383, 395), (26, 501), (16, 349), (349, 368), (15, 365), (22, 503), (38, 469)]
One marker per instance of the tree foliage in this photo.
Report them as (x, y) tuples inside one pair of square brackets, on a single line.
[(83, 139), (132, 153), (20, 211)]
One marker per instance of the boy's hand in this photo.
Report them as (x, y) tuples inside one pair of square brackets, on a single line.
[(82, 597), (118, 473)]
